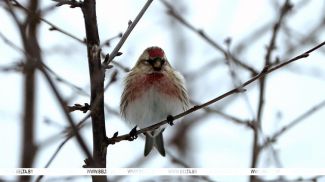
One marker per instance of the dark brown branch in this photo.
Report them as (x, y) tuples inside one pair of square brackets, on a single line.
[(74, 128), (78, 107), (53, 27), (56, 28), (29, 35), (64, 81), (287, 6), (239, 89), (283, 12), (97, 88), (81, 123), (262, 83), (32, 52), (71, 3)]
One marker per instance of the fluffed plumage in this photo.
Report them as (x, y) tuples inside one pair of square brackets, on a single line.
[(153, 90)]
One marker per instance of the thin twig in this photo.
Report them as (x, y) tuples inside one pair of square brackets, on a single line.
[(67, 115), (81, 123), (293, 123), (286, 7), (78, 107), (126, 34), (28, 35), (40, 65), (236, 79), (112, 80), (53, 27), (202, 34), (226, 116), (53, 157), (108, 41), (71, 3)]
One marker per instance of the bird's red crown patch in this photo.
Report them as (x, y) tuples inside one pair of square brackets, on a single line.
[(156, 52)]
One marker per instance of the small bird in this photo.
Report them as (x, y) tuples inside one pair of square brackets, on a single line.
[(153, 91)]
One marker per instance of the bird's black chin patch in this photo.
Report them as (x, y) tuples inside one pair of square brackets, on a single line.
[(156, 63)]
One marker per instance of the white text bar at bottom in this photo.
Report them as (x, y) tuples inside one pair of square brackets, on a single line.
[(162, 171)]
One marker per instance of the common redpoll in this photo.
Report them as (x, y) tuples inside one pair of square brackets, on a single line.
[(153, 90)]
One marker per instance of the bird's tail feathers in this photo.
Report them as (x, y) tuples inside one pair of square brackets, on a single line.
[(156, 141)]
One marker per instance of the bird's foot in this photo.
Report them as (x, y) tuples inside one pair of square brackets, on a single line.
[(170, 120), (133, 134)]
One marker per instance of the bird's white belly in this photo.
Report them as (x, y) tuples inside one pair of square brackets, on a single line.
[(152, 107)]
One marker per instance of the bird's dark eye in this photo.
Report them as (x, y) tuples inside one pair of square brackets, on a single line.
[(163, 62), (150, 61)]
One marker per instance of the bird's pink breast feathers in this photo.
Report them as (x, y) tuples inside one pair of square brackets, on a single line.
[(157, 81)]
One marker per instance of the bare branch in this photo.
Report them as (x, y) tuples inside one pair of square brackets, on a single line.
[(56, 28), (53, 27), (108, 41), (56, 152), (29, 38), (71, 3), (66, 113), (36, 60), (126, 34), (226, 116), (201, 33), (286, 7), (65, 81), (239, 89), (293, 123), (112, 80), (78, 107), (40, 65), (15, 67), (97, 89)]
